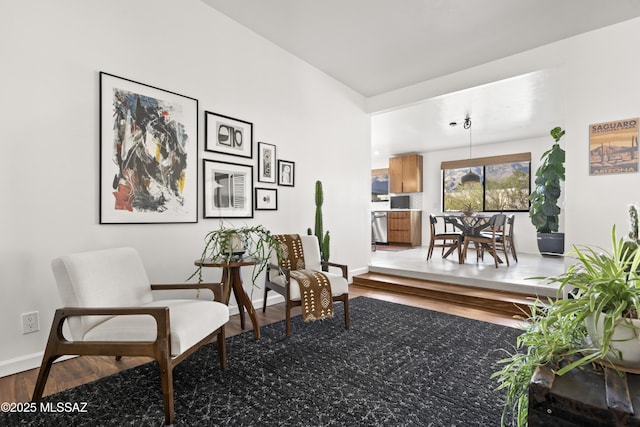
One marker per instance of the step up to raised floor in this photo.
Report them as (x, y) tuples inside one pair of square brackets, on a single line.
[(496, 301)]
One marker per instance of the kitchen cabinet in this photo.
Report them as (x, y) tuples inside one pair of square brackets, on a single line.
[(404, 227), (405, 174)]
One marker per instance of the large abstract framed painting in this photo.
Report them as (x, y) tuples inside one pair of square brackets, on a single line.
[(228, 190), (148, 154), (266, 162), (613, 147), (286, 173), (227, 135)]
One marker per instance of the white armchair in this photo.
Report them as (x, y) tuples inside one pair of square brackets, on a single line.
[(110, 311), (279, 280)]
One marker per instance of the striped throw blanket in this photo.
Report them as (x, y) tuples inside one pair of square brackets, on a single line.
[(315, 288)]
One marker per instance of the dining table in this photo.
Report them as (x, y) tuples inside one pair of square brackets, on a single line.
[(469, 225)]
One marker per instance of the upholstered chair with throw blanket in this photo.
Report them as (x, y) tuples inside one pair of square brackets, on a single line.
[(298, 276), (110, 311)]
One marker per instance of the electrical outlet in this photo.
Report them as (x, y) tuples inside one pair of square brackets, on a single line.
[(30, 322)]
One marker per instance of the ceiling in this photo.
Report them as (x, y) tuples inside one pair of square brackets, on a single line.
[(377, 46)]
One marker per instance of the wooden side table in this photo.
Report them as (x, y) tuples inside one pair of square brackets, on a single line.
[(232, 280)]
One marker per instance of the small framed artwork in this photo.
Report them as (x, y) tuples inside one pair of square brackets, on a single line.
[(266, 199), (228, 191), (227, 135), (266, 162), (286, 173), (148, 154)]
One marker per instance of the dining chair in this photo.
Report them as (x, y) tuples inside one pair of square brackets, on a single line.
[(446, 239), (511, 247), (111, 310), (491, 239)]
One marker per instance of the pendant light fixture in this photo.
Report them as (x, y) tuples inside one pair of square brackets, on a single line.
[(470, 177)]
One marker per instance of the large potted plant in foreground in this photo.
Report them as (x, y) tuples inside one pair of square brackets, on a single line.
[(597, 323), (544, 210)]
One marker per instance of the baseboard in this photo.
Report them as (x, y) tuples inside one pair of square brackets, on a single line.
[(25, 363), (272, 299)]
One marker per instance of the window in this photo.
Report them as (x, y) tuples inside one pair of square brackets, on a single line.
[(505, 184)]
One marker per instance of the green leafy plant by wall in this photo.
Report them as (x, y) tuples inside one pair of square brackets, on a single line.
[(544, 209)]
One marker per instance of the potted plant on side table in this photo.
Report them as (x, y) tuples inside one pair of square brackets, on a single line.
[(235, 243), (544, 210)]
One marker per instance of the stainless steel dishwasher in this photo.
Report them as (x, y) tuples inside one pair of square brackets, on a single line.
[(379, 227)]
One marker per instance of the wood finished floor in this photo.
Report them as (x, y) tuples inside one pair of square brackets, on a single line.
[(80, 370)]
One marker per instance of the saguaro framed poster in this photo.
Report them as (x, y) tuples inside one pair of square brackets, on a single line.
[(613, 147), (148, 153)]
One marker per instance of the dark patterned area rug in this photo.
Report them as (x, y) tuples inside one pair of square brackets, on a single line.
[(397, 365)]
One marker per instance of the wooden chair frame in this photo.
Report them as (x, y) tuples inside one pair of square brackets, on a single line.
[(509, 237), (286, 292), (160, 349), (490, 240), (450, 240)]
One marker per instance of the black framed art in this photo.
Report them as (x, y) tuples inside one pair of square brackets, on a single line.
[(286, 173), (267, 162), (227, 190), (148, 154), (227, 135), (266, 199)]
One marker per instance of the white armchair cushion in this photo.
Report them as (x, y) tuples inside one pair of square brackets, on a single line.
[(104, 278), (190, 322), (339, 284)]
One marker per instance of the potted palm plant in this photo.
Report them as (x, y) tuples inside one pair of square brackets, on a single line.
[(598, 323), (544, 210)]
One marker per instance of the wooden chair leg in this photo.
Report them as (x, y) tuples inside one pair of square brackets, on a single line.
[(166, 377), (506, 254), (222, 348), (430, 252), (346, 312), (43, 374), (288, 320), (264, 303), (513, 252), (495, 255)]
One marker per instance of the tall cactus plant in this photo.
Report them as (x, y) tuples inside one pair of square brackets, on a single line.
[(323, 239)]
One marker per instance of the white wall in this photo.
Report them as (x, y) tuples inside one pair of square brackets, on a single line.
[(600, 72), (602, 85), (52, 53)]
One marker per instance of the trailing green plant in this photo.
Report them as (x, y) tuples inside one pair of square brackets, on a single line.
[(547, 338), (544, 210), (229, 243), (602, 284), (323, 239)]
